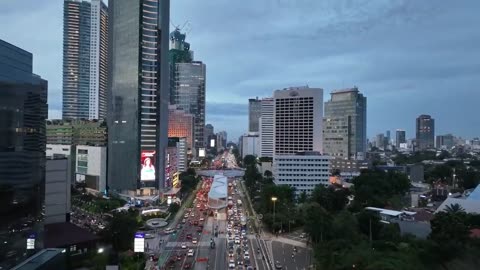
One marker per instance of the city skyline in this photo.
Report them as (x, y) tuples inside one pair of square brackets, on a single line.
[(358, 52)]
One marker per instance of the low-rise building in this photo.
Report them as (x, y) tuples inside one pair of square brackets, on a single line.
[(302, 171), (74, 132)]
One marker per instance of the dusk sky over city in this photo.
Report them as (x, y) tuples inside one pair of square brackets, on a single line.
[(407, 57)]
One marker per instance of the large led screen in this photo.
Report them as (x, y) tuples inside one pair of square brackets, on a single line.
[(147, 159)]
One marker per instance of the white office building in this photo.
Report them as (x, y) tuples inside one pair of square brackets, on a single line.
[(302, 171), (298, 113), (250, 144), (297, 158), (91, 166), (266, 127)]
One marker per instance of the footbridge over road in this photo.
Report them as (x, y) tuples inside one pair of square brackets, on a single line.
[(228, 173)]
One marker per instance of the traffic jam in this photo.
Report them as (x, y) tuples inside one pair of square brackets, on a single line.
[(238, 248), (189, 231)]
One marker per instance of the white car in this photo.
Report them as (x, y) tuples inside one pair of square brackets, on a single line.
[(194, 240), (201, 219), (184, 245), (237, 240), (190, 253), (231, 264), (246, 256), (192, 214)]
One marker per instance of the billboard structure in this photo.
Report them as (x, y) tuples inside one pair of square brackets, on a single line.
[(147, 160), (212, 142), (201, 152)]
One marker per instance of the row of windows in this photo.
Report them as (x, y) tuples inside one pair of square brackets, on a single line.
[(304, 175)]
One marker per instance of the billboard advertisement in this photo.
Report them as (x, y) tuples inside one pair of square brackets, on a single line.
[(201, 152), (212, 142), (147, 160), (139, 243)]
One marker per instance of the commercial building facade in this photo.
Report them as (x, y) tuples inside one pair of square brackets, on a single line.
[(250, 144), (266, 127), (77, 132), (298, 120), (254, 113), (302, 171), (345, 124), (23, 110), (445, 142), (189, 95), (209, 131), (85, 53), (138, 95), (400, 138), (425, 133), (180, 124), (57, 190)]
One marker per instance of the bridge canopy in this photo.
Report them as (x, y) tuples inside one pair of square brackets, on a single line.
[(217, 196)]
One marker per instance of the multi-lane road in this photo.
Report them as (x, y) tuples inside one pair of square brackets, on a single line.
[(202, 238)]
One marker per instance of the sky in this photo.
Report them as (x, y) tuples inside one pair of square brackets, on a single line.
[(408, 57)]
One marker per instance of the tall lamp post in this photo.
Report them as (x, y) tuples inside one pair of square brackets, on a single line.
[(274, 200)]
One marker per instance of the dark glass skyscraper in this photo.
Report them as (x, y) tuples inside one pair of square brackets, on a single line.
[(138, 95), (23, 110), (425, 132), (85, 48), (189, 95)]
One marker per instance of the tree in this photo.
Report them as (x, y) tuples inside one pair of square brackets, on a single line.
[(121, 230), (331, 198), (454, 208), (302, 198), (369, 224), (173, 208), (249, 160), (317, 222)]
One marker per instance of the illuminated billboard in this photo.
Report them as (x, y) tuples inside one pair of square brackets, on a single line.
[(147, 160), (139, 243), (212, 142), (201, 152)]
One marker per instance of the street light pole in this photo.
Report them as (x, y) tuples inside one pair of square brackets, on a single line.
[(274, 200)]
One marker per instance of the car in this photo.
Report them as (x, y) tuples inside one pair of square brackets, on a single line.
[(202, 219), (189, 236), (192, 214), (190, 253), (239, 262), (237, 240), (187, 266), (186, 215), (183, 245), (194, 240), (179, 257), (246, 256), (278, 265), (184, 221), (195, 223), (230, 253), (231, 264), (198, 205)]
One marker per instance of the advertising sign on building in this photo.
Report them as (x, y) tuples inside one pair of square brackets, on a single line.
[(31, 241), (139, 244), (201, 152), (147, 161)]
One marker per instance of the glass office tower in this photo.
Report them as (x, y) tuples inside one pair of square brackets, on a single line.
[(138, 95), (85, 49), (23, 111)]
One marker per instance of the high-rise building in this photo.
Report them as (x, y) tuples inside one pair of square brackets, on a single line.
[(85, 54), (425, 132), (23, 110), (387, 138), (138, 95), (298, 115), (266, 127), (209, 131), (380, 141), (254, 111), (250, 144), (400, 137), (345, 124), (179, 53), (189, 95), (180, 124), (445, 142), (221, 140)]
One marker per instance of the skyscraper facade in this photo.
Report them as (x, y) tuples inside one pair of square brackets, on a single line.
[(189, 95), (400, 138), (180, 124), (266, 127), (23, 110), (298, 113), (138, 95), (209, 131), (425, 132), (85, 53), (179, 53), (254, 111), (345, 124), (445, 142)]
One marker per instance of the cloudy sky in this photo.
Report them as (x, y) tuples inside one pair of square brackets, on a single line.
[(408, 57)]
